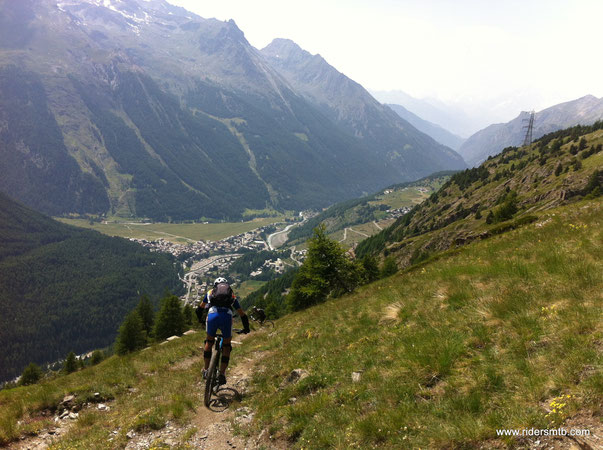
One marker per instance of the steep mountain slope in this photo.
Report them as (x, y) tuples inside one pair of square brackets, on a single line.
[(505, 192), (66, 289), (351, 106), (365, 209), (438, 133), (491, 140), (141, 108), (487, 338)]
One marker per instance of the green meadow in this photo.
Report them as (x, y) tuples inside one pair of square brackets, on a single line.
[(174, 232)]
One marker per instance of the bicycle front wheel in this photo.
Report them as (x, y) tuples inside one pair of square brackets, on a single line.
[(268, 323), (212, 377)]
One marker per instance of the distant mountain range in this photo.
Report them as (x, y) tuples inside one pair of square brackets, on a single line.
[(431, 129), (447, 116), (140, 108), (491, 140)]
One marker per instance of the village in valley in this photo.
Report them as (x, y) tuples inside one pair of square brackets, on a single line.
[(204, 259)]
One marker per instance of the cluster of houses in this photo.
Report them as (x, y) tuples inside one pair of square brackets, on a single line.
[(248, 241), (395, 213), (278, 266)]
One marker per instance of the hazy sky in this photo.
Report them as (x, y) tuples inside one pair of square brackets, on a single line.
[(527, 53)]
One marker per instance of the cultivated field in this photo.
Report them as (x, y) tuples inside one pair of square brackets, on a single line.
[(174, 232)]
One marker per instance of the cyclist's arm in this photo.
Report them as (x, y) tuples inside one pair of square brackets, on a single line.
[(244, 318)]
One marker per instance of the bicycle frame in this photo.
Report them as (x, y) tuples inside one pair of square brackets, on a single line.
[(211, 383)]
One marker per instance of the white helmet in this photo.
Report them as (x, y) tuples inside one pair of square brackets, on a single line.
[(220, 280)]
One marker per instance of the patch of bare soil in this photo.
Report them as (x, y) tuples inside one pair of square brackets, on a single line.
[(67, 413), (44, 439)]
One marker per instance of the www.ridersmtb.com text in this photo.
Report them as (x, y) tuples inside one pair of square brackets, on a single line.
[(545, 432)]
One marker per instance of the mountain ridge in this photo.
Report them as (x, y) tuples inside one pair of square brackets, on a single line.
[(200, 88), (434, 130), (492, 139)]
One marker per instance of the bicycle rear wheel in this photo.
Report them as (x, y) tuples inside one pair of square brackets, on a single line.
[(212, 376), (268, 323)]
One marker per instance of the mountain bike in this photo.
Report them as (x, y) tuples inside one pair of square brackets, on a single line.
[(263, 323), (211, 382)]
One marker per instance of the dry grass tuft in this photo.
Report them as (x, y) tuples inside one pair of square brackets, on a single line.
[(392, 313)]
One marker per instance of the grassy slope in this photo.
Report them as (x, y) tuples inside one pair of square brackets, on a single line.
[(147, 389), (482, 338), (449, 218)]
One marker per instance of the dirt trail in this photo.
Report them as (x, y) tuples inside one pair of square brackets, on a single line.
[(211, 428)]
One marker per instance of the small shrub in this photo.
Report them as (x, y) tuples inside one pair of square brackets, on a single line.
[(389, 267), (524, 220), (31, 375), (502, 228), (152, 420)]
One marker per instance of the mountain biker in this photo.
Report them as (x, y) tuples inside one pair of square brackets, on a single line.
[(220, 301), (258, 313)]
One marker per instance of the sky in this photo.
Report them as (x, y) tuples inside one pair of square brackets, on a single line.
[(497, 56)]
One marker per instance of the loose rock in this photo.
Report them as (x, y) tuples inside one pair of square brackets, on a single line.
[(294, 377), (356, 376)]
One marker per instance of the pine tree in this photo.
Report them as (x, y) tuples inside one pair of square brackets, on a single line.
[(371, 268), (31, 375), (131, 335), (327, 271), (490, 218), (146, 313), (97, 356), (170, 320), (187, 312), (71, 364), (558, 169), (389, 267)]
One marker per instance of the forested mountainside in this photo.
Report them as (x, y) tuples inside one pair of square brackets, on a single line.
[(356, 211), (503, 193), (66, 289), (141, 108), (492, 139)]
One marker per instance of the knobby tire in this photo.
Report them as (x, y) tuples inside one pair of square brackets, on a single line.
[(211, 377)]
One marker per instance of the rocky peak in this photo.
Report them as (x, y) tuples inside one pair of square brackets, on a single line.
[(285, 49)]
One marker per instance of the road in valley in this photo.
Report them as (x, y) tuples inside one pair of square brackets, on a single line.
[(277, 239), (200, 265)]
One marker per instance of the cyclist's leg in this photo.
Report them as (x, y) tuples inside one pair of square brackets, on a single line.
[(226, 347), (226, 327), (212, 328)]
